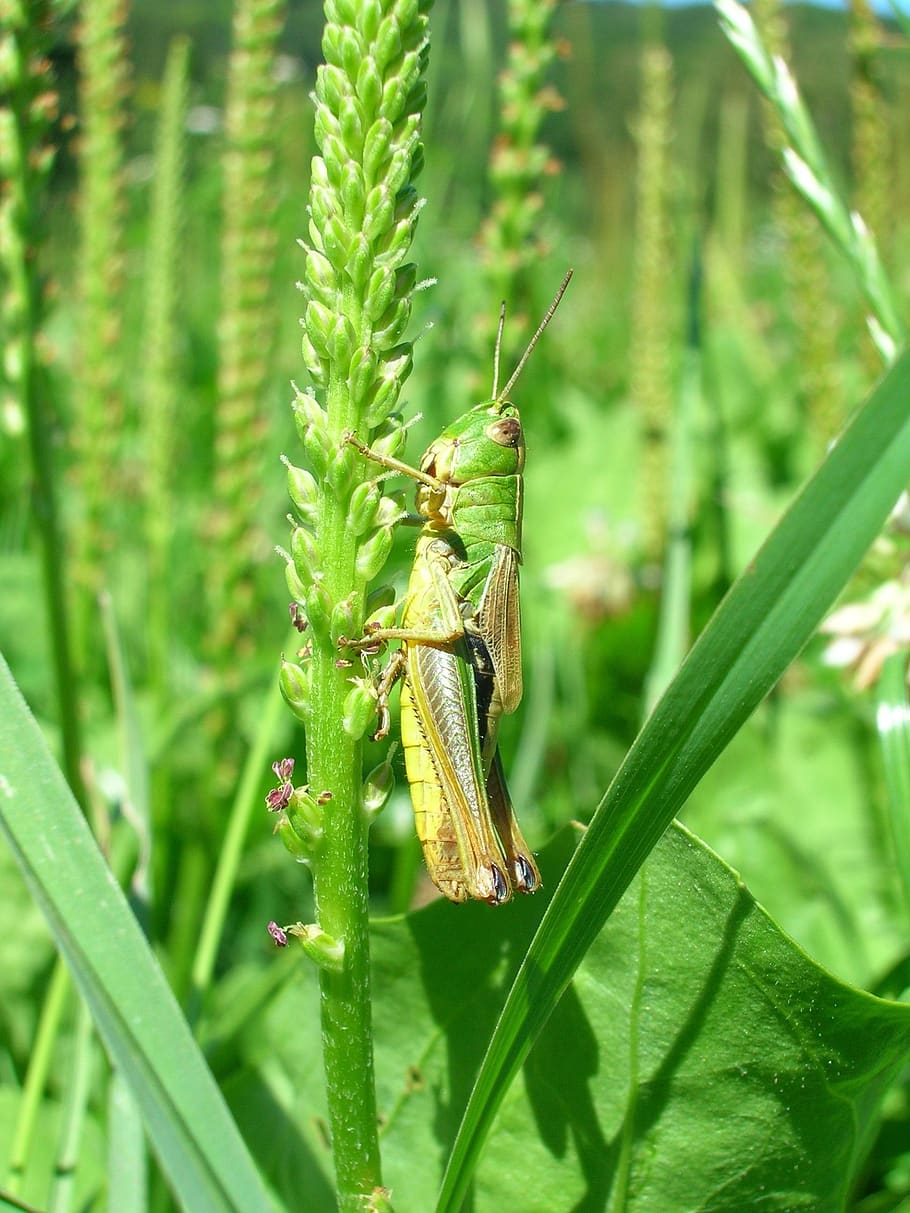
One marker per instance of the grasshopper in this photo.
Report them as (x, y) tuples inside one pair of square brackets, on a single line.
[(460, 654)]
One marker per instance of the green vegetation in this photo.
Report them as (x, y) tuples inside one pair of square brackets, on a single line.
[(707, 1015)]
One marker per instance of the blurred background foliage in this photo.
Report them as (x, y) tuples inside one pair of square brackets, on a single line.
[(694, 281)]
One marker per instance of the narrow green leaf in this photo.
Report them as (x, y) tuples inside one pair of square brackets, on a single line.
[(762, 624), (134, 1010)]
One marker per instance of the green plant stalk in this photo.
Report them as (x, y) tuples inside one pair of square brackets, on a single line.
[(160, 343), (363, 209), (870, 153), (247, 323), (893, 720), (77, 1095), (341, 888), (674, 622), (39, 1064), (27, 109), (103, 74), (809, 290), (652, 321), (806, 166), (231, 852), (510, 238)]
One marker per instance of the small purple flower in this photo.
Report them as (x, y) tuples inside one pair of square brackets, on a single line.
[(279, 936), (279, 798), (284, 768), (298, 619)]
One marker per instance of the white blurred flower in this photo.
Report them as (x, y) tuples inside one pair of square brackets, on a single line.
[(865, 634)]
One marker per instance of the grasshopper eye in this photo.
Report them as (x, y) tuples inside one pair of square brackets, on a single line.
[(505, 432)]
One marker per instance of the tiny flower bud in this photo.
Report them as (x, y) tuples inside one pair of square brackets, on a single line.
[(336, 240), (378, 786), (305, 554), (306, 818), (383, 617), (330, 85), (353, 193), (294, 584), (382, 596), (341, 470), (359, 710), (373, 554), (382, 291), (360, 259), (369, 84), (318, 446), (391, 510), (387, 44), (345, 619), (392, 324), (319, 273), (317, 366), (391, 437), (328, 953), (365, 500), (405, 279), (376, 148), (303, 492), (380, 209), (294, 684), (319, 610), (351, 124), (361, 373), (319, 323), (300, 848), (343, 340)]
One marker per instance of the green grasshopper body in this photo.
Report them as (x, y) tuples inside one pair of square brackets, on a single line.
[(460, 655)]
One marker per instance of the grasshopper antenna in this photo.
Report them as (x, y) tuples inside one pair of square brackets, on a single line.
[(548, 316), (498, 349)]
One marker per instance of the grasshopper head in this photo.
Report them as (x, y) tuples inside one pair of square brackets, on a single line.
[(487, 441)]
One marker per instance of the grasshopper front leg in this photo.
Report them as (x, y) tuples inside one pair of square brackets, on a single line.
[(394, 465), (432, 612)]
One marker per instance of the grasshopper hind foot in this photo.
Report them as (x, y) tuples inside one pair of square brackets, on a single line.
[(525, 876), (501, 889)]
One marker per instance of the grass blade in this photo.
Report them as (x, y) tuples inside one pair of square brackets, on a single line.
[(762, 624), (146, 1036)]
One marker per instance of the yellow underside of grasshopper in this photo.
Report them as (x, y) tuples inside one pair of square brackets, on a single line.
[(471, 841)]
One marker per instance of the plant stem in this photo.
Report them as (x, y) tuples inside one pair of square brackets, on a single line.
[(27, 110), (363, 210)]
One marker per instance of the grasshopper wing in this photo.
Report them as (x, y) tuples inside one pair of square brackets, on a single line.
[(499, 624)]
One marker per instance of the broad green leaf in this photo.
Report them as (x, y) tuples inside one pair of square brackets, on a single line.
[(693, 1030), (142, 1027), (824, 873), (762, 624)]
